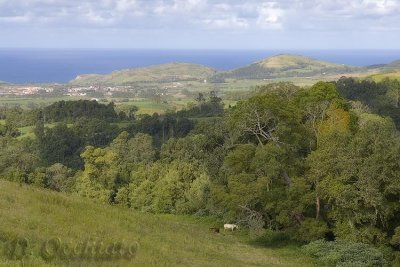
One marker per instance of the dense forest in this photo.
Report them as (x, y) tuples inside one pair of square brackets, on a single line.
[(314, 163)]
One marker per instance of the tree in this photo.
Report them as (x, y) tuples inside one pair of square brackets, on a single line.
[(98, 180), (18, 158), (132, 153), (200, 99), (358, 179), (60, 145), (59, 178), (393, 91), (94, 132)]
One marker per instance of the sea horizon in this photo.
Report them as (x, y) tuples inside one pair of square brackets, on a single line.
[(57, 65)]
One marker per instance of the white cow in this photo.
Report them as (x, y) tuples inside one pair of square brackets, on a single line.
[(232, 227)]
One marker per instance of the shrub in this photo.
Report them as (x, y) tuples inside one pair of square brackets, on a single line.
[(342, 253), (310, 230)]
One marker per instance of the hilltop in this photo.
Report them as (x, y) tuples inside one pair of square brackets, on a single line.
[(384, 71), (296, 68), (285, 66), (279, 66), (164, 240), (171, 72), (395, 65)]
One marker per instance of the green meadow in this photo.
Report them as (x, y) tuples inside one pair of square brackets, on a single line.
[(381, 76), (40, 216)]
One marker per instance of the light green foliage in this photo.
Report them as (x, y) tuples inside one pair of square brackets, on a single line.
[(343, 254), (196, 196), (98, 179), (177, 187), (271, 161), (239, 159), (17, 159), (192, 147), (358, 176), (393, 92), (132, 153), (170, 189), (142, 196)]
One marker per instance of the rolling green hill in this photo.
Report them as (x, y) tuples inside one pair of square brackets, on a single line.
[(172, 72), (383, 71), (285, 66), (277, 67), (381, 76), (42, 216), (395, 65)]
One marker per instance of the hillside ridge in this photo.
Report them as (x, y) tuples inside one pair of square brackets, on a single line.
[(273, 67), (168, 72)]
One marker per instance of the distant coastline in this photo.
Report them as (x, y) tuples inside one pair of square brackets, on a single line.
[(62, 65)]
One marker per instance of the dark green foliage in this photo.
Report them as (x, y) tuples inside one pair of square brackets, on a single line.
[(71, 110), (210, 107), (310, 230), (161, 127), (9, 130), (60, 145), (95, 132), (18, 117), (382, 98)]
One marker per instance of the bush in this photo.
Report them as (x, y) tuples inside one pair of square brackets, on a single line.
[(310, 230), (342, 253)]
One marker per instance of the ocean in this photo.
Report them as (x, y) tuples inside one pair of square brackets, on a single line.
[(61, 66)]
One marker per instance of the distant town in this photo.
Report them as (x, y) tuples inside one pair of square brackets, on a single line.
[(86, 91)]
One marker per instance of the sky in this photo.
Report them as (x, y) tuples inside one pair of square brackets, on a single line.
[(200, 24)]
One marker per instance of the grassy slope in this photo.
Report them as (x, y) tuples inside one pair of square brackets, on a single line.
[(294, 62), (164, 240), (395, 65), (164, 72), (281, 66), (381, 76)]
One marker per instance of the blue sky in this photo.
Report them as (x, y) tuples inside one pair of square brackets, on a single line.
[(200, 24)]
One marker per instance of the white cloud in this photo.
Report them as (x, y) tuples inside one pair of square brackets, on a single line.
[(16, 19), (232, 22), (270, 15), (252, 15), (381, 7), (360, 9), (189, 5)]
